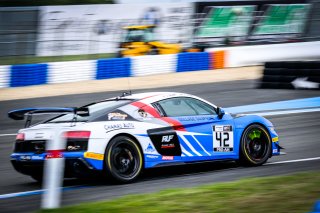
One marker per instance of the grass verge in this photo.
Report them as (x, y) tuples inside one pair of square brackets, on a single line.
[(293, 193), (44, 59)]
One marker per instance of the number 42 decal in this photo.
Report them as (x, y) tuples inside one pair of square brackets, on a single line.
[(222, 138)]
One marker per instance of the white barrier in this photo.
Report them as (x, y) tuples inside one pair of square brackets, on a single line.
[(4, 76), (259, 54), (71, 71), (154, 64), (53, 171)]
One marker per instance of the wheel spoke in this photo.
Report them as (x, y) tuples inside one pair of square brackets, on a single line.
[(124, 160), (256, 144)]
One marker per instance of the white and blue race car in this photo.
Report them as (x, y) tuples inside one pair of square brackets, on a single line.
[(122, 136)]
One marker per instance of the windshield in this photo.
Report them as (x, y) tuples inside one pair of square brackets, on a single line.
[(95, 110), (139, 35)]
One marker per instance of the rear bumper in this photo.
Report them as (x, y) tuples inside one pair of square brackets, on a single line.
[(32, 164), (74, 167)]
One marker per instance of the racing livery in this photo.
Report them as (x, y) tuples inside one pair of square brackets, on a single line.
[(121, 136)]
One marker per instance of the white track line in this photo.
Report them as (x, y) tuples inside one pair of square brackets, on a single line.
[(2, 135), (285, 112), (293, 161), (19, 194), (40, 191)]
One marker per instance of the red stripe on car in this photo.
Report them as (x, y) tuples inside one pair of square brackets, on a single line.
[(147, 108), (176, 125)]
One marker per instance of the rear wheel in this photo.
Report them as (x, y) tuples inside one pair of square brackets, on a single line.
[(123, 159), (255, 145)]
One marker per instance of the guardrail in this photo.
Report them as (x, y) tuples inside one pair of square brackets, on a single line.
[(216, 58)]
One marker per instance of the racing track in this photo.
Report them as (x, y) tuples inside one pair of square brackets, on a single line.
[(299, 134)]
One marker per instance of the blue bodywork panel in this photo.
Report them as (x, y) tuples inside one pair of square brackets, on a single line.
[(197, 141)]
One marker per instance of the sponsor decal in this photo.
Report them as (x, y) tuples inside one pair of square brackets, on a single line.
[(167, 157), (25, 157), (149, 148), (37, 157), (117, 116), (227, 128), (167, 138), (197, 118), (275, 151), (95, 156), (153, 156), (218, 128), (222, 138), (54, 154), (73, 148), (112, 127), (142, 113), (275, 139), (167, 146)]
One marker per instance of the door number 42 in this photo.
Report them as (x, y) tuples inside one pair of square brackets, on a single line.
[(223, 138)]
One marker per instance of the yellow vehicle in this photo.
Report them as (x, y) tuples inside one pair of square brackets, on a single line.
[(139, 40)]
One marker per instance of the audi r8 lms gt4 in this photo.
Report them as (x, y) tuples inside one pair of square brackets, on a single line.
[(121, 136)]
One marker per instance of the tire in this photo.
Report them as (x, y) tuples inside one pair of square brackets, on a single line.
[(123, 160), (153, 51), (255, 146)]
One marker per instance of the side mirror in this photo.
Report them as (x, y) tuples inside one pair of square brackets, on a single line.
[(220, 112)]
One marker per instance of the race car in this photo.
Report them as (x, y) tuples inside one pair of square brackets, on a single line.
[(120, 137)]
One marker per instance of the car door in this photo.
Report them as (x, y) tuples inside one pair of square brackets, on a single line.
[(202, 134)]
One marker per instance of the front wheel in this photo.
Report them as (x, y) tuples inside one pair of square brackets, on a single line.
[(255, 145), (123, 159)]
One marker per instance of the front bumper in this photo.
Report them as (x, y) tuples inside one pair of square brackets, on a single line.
[(275, 142)]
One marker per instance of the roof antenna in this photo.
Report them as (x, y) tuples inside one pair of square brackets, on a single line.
[(127, 93), (130, 92)]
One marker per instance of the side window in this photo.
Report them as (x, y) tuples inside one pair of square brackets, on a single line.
[(174, 107), (200, 107)]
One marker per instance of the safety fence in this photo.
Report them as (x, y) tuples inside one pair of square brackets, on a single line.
[(218, 58)]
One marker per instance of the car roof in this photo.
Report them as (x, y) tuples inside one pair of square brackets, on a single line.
[(150, 97), (160, 95)]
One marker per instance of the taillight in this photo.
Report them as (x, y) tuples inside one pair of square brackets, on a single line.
[(77, 140), (20, 137), (77, 134)]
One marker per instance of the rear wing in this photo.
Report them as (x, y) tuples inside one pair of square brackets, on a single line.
[(21, 114)]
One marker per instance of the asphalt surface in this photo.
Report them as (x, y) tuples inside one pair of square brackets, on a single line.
[(299, 134)]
